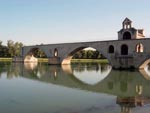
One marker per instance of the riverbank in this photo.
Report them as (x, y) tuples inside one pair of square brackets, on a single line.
[(79, 60), (90, 60), (10, 59), (72, 60)]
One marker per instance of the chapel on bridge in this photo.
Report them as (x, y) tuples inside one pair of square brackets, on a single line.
[(129, 32)]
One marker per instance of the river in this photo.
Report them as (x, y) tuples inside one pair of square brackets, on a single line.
[(75, 88)]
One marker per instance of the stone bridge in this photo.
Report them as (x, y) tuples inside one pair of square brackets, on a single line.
[(120, 53), (131, 50)]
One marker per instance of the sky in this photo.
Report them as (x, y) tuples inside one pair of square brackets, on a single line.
[(63, 21)]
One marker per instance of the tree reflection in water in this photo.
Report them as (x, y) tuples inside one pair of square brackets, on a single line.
[(130, 88), (90, 73), (80, 67)]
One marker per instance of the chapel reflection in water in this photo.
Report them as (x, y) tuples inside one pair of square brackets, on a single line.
[(130, 88), (140, 99), (127, 103)]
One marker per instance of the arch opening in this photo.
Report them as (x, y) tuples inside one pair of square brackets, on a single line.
[(145, 69), (139, 48), (84, 54), (145, 64), (126, 36), (55, 52), (88, 53), (111, 49), (35, 55), (124, 49)]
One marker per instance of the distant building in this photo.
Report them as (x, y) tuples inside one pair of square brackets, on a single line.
[(128, 32)]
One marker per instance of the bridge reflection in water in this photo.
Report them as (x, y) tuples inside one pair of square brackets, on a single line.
[(131, 88)]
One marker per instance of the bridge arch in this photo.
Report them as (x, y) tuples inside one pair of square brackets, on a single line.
[(146, 72), (144, 64), (33, 54), (69, 55)]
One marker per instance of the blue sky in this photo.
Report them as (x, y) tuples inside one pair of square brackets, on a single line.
[(61, 21)]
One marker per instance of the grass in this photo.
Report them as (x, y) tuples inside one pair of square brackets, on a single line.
[(90, 60), (42, 59), (5, 59)]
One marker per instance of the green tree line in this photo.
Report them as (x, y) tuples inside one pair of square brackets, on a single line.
[(12, 49), (88, 54)]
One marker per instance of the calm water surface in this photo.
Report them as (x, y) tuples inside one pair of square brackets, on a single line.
[(76, 88)]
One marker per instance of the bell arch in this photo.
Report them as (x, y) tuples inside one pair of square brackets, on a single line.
[(126, 35)]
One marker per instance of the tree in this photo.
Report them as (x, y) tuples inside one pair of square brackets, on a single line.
[(11, 49), (1, 43), (88, 54), (39, 54), (14, 49), (17, 47)]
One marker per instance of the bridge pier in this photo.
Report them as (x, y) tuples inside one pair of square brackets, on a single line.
[(54, 60), (59, 60), (132, 61), (123, 63)]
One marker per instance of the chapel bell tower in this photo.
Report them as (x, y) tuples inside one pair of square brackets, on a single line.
[(128, 32)]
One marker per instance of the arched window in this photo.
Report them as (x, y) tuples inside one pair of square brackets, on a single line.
[(124, 50), (139, 48), (126, 36), (55, 52), (111, 49)]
